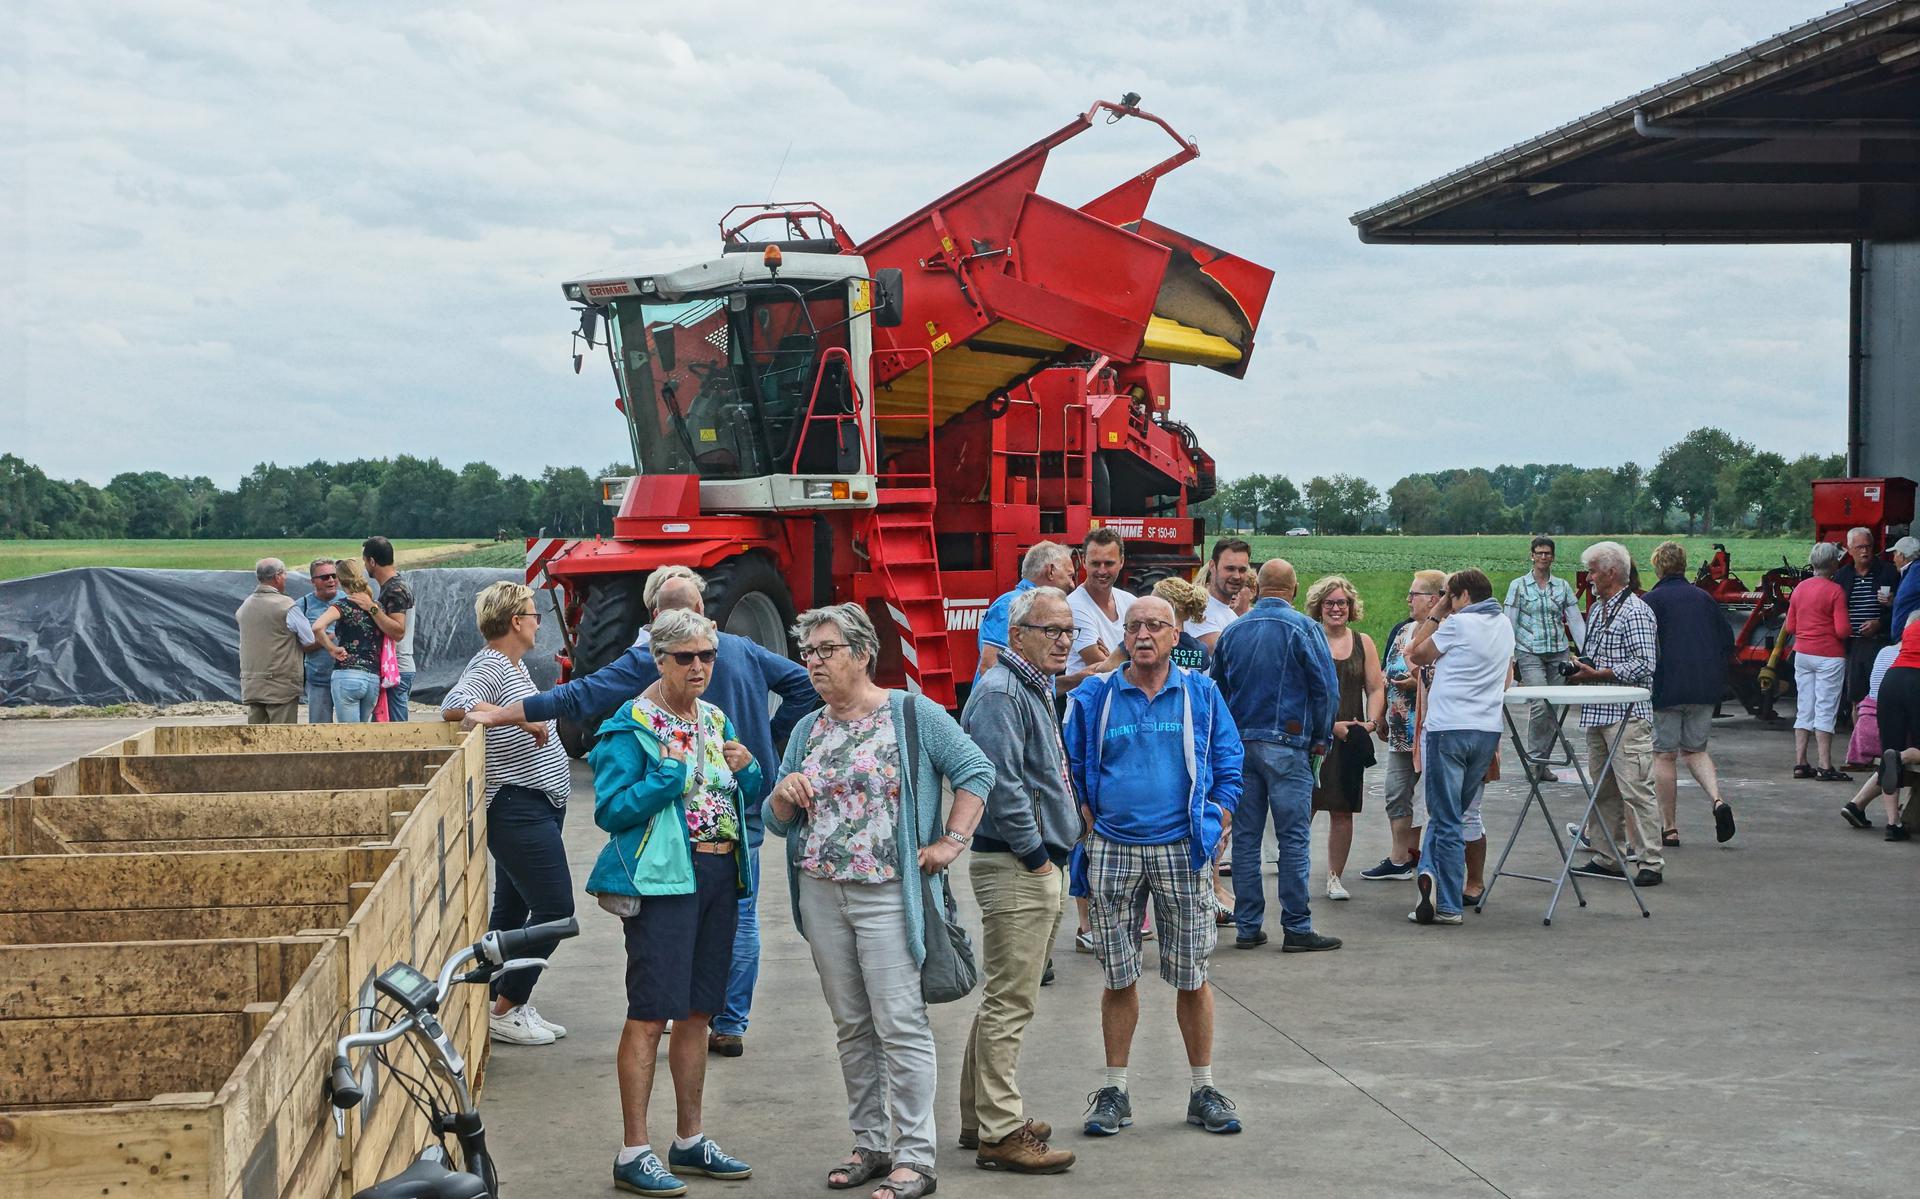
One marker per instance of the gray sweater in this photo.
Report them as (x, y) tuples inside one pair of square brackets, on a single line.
[(1031, 811)]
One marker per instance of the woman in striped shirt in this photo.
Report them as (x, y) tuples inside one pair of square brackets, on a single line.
[(528, 780)]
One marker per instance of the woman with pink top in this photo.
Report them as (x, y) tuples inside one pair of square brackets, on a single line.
[(1817, 625)]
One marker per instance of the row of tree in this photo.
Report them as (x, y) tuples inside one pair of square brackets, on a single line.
[(1707, 482), (401, 497)]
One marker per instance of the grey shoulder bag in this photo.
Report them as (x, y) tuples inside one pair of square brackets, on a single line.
[(949, 972)]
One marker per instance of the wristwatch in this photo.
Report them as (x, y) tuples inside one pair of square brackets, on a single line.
[(960, 839)]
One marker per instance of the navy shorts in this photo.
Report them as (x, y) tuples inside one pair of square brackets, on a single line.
[(680, 947)]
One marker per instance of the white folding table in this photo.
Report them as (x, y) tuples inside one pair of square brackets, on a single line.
[(1559, 700)]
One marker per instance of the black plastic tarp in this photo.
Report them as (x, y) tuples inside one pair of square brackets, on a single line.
[(105, 635)]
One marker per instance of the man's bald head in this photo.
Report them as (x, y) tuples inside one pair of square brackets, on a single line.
[(1278, 578), (679, 593)]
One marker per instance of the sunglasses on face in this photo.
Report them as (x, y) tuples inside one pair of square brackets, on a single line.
[(687, 657), (324, 578)]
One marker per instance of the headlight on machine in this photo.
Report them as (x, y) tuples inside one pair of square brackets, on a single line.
[(613, 492), (824, 489)]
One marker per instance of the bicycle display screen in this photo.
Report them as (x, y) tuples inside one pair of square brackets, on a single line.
[(406, 985)]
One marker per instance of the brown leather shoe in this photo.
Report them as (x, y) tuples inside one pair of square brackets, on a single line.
[(1022, 1152), (970, 1137), (725, 1044)]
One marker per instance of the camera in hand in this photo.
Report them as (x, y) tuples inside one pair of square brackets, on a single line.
[(1569, 669)]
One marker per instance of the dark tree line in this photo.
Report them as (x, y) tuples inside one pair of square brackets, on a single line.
[(401, 497), (1707, 482)]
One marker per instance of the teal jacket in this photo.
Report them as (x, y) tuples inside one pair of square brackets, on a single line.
[(945, 751), (635, 786)]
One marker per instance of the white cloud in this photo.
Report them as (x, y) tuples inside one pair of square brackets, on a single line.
[(234, 233)]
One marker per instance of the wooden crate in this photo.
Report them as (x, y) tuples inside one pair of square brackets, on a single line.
[(246, 1117), (413, 886)]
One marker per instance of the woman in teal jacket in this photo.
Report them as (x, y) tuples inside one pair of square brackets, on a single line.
[(859, 803), (669, 777)]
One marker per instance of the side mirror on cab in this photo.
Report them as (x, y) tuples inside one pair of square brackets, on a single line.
[(890, 297)]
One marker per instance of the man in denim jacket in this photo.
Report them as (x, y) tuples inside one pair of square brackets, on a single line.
[(1275, 670)]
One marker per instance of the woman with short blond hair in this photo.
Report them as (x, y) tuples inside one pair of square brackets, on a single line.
[(528, 781), (1189, 603), (1335, 603)]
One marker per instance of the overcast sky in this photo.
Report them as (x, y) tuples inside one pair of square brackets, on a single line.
[(248, 232)]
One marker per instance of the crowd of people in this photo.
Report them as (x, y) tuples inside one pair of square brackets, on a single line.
[(1128, 751), (345, 648)]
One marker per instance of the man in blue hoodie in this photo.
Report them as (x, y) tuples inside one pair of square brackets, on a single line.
[(743, 676), (1277, 674), (1155, 759)]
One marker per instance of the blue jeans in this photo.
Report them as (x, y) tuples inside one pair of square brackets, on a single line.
[(397, 697), (1455, 763), (320, 702), (354, 694), (1276, 779), (745, 971), (531, 883)]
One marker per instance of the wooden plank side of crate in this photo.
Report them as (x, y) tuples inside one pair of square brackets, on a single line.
[(133, 1152), (237, 814), (320, 1173), (180, 773), (380, 934), (285, 738), (114, 1059), (147, 978), (272, 1101), (224, 878), (168, 924)]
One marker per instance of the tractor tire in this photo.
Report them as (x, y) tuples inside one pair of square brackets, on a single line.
[(610, 618), (747, 597)]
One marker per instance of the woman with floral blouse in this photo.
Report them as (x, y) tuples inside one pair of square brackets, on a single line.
[(859, 805)]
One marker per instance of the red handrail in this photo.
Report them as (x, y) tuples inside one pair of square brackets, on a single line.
[(835, 419)]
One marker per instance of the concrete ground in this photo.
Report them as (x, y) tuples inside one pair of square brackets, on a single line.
[(1753, 1037)]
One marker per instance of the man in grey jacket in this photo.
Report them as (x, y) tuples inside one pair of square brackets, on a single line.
[(1018, 870)]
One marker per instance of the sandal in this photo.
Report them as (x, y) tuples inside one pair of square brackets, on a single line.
[(923, 1183), (1722, 822), (1670, 838), (872, 1162), (1803, 771), (1829, 775), (1472, 901)]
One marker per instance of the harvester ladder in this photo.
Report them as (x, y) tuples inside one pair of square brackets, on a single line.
[(904, 560)]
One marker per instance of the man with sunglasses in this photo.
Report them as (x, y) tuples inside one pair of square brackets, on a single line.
[(325, 576), (744, 676), (1018, 871)]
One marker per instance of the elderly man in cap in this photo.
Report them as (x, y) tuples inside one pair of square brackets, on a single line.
[(1906, 597), (272, 634)]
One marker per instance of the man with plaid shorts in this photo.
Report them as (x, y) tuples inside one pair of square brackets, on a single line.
[(1155, 758)]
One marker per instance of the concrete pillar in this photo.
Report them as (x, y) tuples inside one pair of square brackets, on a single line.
[(1883, 416)]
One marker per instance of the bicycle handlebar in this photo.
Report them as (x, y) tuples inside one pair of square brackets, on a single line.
[(498, 947)]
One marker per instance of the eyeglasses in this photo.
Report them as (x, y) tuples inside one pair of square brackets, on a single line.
[(1336, 603), (1151, 626), (535, 614), (1420, 594), (820, 652), (687, 657), (1051, 632)]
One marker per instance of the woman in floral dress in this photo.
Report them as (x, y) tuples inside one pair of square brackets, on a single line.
[(859, 804)]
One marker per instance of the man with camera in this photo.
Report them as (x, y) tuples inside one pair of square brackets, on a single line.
[(1622, 647)]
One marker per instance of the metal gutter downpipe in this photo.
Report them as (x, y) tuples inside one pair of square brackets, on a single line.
[(1775, 130)]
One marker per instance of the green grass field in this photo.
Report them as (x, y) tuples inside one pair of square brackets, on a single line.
[(21, 558), (1381, 567)]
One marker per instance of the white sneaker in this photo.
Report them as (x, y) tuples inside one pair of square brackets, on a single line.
[(1580, 839), (1334, 889), (533, 1014), (514, 1027)]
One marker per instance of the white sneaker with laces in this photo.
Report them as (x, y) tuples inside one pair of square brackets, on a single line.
[(1334, 889), (533, 1014), (513, 1027)]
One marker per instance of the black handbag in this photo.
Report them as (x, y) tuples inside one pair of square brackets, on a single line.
[(949, 972)]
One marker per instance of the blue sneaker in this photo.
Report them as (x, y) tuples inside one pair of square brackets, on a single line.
[(644, 1175), (1209, 1109), (1108, 1111), (709, 1159)]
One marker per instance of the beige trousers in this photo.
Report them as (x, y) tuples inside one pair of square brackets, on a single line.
[(287, 713), (1625, 800), (1020, 913)]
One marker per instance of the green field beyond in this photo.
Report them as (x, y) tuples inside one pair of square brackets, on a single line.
[(1381, 567), (21, 558)]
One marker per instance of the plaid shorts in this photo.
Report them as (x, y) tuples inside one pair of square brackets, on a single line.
[(1120, 877)]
